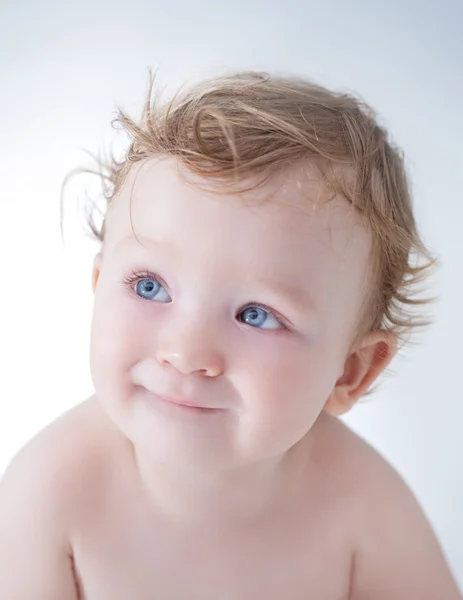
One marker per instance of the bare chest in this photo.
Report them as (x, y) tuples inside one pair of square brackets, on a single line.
[(122, 560)]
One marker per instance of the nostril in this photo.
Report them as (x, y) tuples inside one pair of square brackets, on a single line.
[(203, 361)]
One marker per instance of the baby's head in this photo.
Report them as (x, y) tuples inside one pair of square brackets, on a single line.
[(256, 261)]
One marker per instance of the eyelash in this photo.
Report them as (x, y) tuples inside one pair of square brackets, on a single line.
[(135, 277), (283, 322)]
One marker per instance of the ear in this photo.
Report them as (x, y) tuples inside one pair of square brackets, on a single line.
[(96, 269), (361, 368)]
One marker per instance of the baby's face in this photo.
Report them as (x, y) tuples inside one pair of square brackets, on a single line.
[(245, 312)]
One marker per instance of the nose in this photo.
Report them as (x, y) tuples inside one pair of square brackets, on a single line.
[(192, 349)]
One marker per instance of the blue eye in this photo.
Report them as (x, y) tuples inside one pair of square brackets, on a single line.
[(151, 289), (259, 317)]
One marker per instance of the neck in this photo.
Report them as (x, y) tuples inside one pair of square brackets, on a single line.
[(234, 495)]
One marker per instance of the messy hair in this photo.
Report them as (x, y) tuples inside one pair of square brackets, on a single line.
[(244, 124)]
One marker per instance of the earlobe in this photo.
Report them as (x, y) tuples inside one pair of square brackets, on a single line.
[(361, 369), (96, 270)]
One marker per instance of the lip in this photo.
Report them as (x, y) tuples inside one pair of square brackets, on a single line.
[(184, 402)]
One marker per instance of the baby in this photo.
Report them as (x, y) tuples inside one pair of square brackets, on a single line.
[(255, 277)]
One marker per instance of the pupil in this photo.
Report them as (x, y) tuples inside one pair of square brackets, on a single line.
[(148, 285)]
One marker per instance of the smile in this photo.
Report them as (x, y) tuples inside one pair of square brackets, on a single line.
[(186, 404)]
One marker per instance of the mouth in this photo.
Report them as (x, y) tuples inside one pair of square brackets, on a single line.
[(186, 404)]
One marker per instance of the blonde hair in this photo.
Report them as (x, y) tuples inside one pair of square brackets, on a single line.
[(251, 123)]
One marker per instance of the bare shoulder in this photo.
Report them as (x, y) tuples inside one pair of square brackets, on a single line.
[(396, 553), (357, 471), (62, 459), (44, 495)]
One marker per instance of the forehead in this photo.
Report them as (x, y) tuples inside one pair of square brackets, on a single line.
[(221, 239), (161, 199)]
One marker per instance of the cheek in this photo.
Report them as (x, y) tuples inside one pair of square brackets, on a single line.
[(282, 391), (117, 334), (291, 377)]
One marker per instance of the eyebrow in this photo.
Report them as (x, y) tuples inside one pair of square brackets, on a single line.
[(278, 288), (287, 291), (138, 240)]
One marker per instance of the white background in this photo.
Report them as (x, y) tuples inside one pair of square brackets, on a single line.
[(63, 67)]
